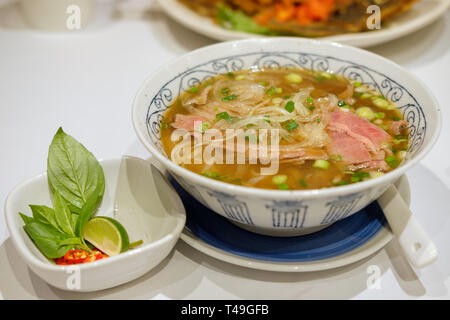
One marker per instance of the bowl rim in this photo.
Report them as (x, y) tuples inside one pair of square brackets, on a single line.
[(274, 193), (30, 257)]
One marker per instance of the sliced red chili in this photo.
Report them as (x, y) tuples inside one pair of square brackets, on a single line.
[(75, 256), (80, 256), (61, 261)]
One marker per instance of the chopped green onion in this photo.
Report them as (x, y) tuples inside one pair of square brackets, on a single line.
[(230, 74), (366, 113), (327, 75), (321, 164), (279, 178), (193, 90), (293, 77), (263, 83), (278, 90), (303, 183), (318, 120), (292, 125), (392, 161), (229, 98), (223, 115), (357, 84), (225, 91), (395, 118), (213, 175), (398, 141), (165, 125), (358, 176), (311, 108), (286, 97), (290, 106), (283, 186), (319, 79), (249, 125), (366, 95), (271, 91), (383, 103), (205, 126), (343, 104), (309, 100), (379, 115), (336, 157)]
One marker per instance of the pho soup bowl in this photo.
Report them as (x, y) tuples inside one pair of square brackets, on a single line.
[(284, 212)]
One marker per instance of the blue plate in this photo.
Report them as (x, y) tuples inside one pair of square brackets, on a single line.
[(341, 237)]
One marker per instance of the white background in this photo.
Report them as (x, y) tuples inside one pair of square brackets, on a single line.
[(86, 81)]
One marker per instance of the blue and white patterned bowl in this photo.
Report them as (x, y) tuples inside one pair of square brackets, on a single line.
[(279, 212)]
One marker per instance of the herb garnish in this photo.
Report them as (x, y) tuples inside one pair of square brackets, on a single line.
[(292, 125), (78, 183), (230, 97)]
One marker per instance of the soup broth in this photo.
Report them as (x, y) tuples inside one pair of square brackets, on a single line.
[(331, 131)]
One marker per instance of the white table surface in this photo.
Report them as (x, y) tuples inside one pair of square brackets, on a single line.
[(85, 82)]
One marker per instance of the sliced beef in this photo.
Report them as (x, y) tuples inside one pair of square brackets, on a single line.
[(186, 122), (350, 149), (361, 129), (360, 143)]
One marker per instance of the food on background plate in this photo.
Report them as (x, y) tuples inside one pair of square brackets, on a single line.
[(65, 233), (332, 131), (309, 18)]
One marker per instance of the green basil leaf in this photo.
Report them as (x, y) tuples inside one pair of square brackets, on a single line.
[(44, 214), (26, 219), (73, 171), (86, 214), (71, 241), (47, 239), (74, 219), (63, 215)]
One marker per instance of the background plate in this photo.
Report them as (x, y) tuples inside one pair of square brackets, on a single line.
[(423, 13)]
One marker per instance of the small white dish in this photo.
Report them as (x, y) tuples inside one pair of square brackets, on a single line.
[(422, 14), (142, 200), (374, 244)]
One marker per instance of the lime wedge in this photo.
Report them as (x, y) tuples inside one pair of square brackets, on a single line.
[(107, 235)]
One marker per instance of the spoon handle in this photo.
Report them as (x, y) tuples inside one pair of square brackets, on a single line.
[(417, 246)]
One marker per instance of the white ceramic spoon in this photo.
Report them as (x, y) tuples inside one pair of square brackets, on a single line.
[(415, 243)]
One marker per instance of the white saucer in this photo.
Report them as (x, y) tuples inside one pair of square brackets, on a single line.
[(375, 243)]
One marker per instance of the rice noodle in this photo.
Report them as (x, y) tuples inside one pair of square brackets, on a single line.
[(302, 110), (298, 99)]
